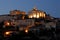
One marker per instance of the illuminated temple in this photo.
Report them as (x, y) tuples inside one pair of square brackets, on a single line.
[(35, 13)]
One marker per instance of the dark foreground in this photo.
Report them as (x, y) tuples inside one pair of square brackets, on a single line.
[(22, 35)]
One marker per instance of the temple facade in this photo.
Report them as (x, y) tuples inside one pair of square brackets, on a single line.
[(35, 13)]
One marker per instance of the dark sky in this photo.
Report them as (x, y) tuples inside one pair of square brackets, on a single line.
[(51, 7)]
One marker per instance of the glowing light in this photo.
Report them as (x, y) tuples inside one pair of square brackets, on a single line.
[(40, 14), (8, 23), (30, 16), (34, 15), (44, 15), (26, 31), (7, 33), (37, 15)]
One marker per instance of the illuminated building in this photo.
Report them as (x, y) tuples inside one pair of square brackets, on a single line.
[(34, 13), (17, 12)]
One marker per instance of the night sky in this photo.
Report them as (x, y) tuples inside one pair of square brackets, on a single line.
[(51, 7)]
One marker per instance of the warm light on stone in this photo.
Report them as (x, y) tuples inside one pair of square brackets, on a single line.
[(36, 14)]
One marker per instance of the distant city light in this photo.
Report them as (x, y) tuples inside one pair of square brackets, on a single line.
[(7, 33), (26, 30), (8, 23)]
